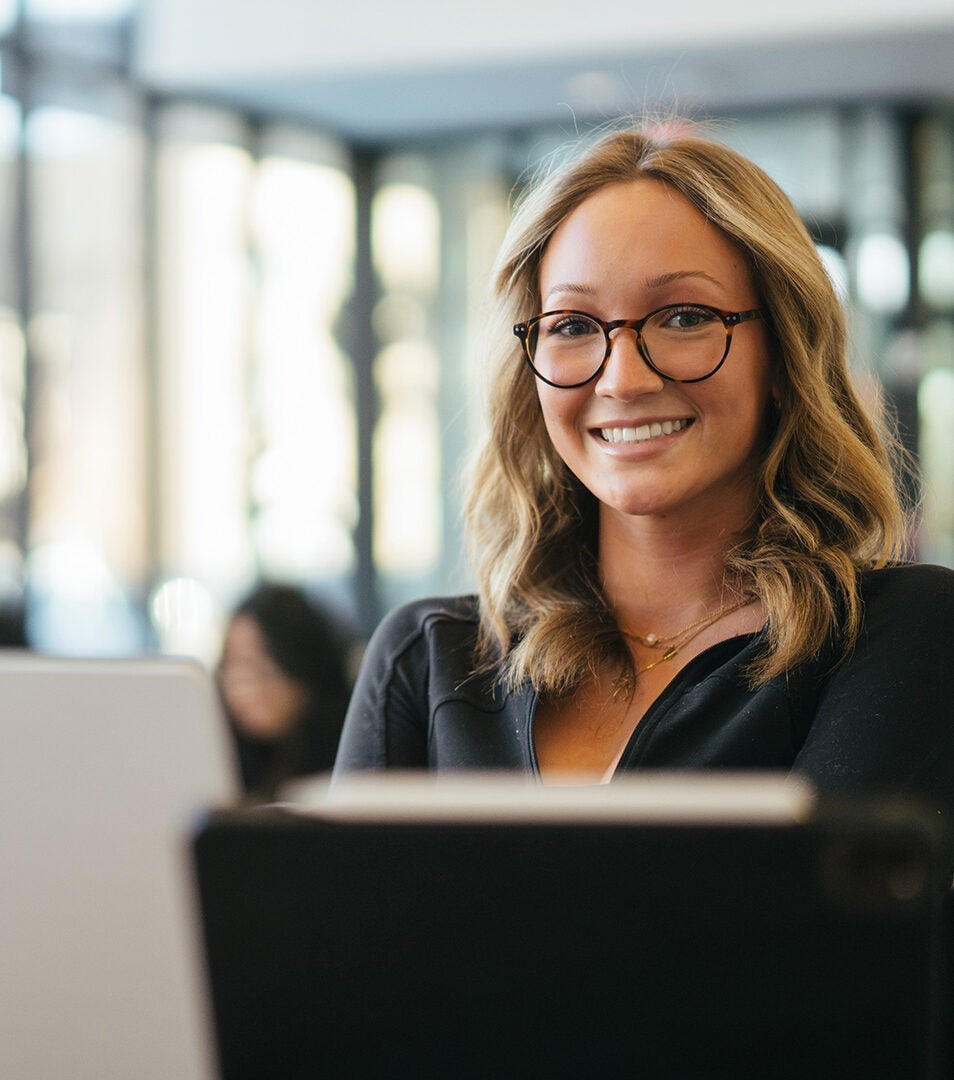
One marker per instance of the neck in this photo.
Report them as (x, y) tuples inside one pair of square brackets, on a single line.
[(660, 576)]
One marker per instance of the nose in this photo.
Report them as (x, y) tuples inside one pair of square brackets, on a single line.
[(626, 373)]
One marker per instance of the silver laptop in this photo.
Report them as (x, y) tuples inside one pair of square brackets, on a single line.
[(104, 766)]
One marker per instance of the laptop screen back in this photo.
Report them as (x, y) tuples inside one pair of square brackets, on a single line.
[(477, 943), (103, 767)]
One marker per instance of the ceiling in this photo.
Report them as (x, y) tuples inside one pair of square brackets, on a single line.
[(419, 77)]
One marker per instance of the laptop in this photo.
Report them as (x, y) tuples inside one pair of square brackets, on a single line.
[(669, 927), (103, 766)]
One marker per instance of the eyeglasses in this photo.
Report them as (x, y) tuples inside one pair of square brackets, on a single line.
[(681, 342)]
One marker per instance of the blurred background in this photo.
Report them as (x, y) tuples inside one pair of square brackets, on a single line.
[(245, 253)]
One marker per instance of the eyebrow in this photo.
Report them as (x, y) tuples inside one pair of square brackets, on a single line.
[(657, 282), (680, 275), (570, 287)]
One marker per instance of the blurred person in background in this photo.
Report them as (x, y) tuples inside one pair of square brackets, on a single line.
[(284, 680)]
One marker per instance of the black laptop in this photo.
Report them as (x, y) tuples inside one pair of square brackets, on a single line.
[(672, 928)]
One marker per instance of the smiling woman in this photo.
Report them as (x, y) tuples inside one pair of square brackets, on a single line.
[(687, 530), (636, 246)]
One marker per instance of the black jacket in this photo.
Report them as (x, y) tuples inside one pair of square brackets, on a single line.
[(881, 722)]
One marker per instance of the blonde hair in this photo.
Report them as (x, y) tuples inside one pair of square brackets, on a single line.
[(828, 502)]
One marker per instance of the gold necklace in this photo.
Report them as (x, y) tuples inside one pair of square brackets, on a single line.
[(674, 643)]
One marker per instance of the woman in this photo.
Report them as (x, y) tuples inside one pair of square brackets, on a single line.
[(686, 529), (284, 683)]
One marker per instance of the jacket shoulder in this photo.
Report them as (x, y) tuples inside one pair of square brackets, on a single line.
[(420, 616), (909, 583), (420, 623)]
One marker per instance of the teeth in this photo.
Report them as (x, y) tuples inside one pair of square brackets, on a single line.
[(643, 432)]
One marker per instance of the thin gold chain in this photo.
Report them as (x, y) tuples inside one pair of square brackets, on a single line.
[(674, 643)]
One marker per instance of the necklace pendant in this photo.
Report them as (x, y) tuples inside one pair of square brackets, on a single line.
[(650, 640)]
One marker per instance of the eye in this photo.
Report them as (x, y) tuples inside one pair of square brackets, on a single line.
[(568, 325), (686, 317)]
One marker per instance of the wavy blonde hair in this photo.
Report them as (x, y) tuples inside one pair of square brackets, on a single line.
[(828, 503)]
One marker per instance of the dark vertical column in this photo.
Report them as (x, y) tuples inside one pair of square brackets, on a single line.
[(362, 347), (904, 385)]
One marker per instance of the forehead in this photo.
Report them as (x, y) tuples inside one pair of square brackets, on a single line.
[(634, 233)]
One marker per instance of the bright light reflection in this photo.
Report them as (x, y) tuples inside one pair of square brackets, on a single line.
[(407, 461), (186, 618), (883, 273), (936, 452), (837, 268), (936, 268), (12, 375), (205, 294), (304, 479), (406, 238), (55, 132), (76, 605)]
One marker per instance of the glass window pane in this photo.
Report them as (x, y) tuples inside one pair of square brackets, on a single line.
[(88, 544), (936, 268), (802, 150), (8, 15), (13, 456), (408, 517), (936, 411), (91, 30), (304, 471), (934, 154), (204, 288), (407, 457)]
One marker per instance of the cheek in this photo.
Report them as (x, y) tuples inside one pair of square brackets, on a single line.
[(288, 702), (560, 410)]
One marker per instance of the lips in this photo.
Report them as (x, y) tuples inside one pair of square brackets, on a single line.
[(644, 432)]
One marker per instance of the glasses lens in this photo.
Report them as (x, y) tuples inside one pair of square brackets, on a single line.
[(686, 341), (566, 348)]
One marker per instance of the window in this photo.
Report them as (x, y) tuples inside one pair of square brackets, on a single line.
[(203, 293), (303, 473), (256, 454), (407, 510), (87, 541), (13, 454)]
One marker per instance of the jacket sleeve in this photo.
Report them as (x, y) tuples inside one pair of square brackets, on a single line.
[(387, 720), (883, 722)]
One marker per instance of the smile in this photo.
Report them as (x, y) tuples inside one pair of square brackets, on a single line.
[(644, 432)]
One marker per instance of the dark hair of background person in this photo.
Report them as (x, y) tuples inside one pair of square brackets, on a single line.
[(310, 645)]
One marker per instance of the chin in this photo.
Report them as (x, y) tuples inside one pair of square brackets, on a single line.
[(640, 503)]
